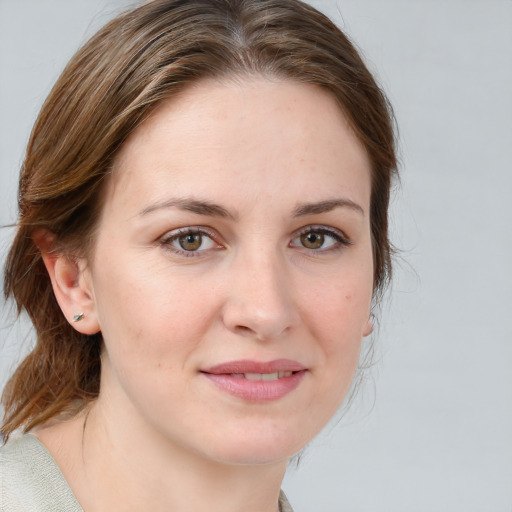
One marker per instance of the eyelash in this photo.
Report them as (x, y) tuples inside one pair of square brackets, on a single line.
[(341, 239), (167, 240)]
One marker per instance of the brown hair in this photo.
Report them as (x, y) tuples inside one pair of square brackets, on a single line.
[(110, 86)]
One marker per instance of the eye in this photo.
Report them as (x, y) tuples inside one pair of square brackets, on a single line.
[(319, 238), (189, 240), (312, 240)]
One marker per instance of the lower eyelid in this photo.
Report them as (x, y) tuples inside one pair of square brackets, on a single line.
[(338, 236), (168, 240)]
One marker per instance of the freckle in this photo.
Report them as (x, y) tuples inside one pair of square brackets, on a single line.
[(348, 297)]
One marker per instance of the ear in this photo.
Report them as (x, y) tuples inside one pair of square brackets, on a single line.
[(368, 328), (71, 283)]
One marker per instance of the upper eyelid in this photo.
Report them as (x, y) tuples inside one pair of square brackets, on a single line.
[(325, 229), (215, 236), (167, 240), (201, 230)]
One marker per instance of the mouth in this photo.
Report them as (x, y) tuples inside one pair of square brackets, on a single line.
[(254, 381), (262, 376)]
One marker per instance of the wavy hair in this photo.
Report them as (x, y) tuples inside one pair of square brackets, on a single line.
[(143, 56)]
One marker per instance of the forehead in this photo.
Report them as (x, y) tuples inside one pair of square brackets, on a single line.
[(266, 134)]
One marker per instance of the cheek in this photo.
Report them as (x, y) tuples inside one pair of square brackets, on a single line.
[(337, 316), (147, 312), (339, 311)]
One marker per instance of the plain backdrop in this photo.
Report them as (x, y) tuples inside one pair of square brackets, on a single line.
[(431, 430)]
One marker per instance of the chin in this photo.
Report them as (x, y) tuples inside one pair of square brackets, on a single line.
[(258, 449), (253, 456)]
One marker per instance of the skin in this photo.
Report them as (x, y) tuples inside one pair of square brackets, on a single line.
[(160, 430)]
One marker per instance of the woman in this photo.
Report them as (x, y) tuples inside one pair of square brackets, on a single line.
[(202, 231)]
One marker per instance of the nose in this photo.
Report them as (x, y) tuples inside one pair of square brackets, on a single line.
[(260, 300)]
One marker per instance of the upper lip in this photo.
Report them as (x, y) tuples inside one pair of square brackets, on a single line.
[(249, 366)]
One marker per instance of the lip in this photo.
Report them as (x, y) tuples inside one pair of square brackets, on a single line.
[(249, 366), (227, 377)]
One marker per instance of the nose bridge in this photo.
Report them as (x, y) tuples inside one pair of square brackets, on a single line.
[(260, 300)]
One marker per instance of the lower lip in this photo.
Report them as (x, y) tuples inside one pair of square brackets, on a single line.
[(256, 390)]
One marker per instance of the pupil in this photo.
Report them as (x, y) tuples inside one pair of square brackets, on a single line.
[(190, 242)]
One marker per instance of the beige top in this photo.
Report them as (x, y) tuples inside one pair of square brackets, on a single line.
[(31, 481)]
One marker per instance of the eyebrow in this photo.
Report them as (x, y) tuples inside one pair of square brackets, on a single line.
[(215, 210), (326, 206), (192, 205)]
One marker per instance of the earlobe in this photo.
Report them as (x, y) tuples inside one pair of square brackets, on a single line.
[(368, 328), (70, 284)]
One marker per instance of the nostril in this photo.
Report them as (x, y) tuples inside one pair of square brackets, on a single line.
[(243, 329)]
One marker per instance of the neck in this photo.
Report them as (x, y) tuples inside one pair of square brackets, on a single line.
[(124, 469)]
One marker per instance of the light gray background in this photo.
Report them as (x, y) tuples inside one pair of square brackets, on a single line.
[(432, 430)]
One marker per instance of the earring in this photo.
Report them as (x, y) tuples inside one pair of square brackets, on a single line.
[(78, 317)]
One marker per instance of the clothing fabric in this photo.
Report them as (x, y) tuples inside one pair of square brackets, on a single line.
[(31, 481)]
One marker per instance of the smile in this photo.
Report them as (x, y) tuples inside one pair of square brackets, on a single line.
[(262, 376), (254, 381)]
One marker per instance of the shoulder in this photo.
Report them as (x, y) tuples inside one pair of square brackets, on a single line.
[(284, 505), (31, 480)]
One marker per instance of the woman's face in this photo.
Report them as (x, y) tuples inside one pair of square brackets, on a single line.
[(232, 271)]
